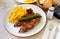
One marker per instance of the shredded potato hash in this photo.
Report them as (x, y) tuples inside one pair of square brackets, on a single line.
[(16, 13), (28, 0)]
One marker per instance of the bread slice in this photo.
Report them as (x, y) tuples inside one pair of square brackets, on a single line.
[(41, 1), (48, 3)]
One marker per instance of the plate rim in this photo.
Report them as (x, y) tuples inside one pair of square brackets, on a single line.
[(26, 2), (30, 35)]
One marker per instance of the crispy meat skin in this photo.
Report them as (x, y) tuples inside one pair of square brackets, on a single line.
[(29, 24), (29, 12)]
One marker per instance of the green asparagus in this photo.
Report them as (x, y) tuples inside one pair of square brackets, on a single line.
[(29, 17)]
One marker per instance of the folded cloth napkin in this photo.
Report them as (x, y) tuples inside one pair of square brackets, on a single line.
[(58, 34), (49, 33), (52, 34)]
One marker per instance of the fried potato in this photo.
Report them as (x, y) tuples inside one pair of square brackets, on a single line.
[(16, 13)]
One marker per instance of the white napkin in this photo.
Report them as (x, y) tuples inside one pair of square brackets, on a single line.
[(58, 34), (47, 33), (53, 32)]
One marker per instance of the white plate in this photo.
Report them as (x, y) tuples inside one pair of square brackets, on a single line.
[(14, 30), (22, 1)]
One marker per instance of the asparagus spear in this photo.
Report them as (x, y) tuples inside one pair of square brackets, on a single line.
[(29, 17)]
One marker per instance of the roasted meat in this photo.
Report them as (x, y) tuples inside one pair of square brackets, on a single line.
[(29, 12), (27, 24)]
